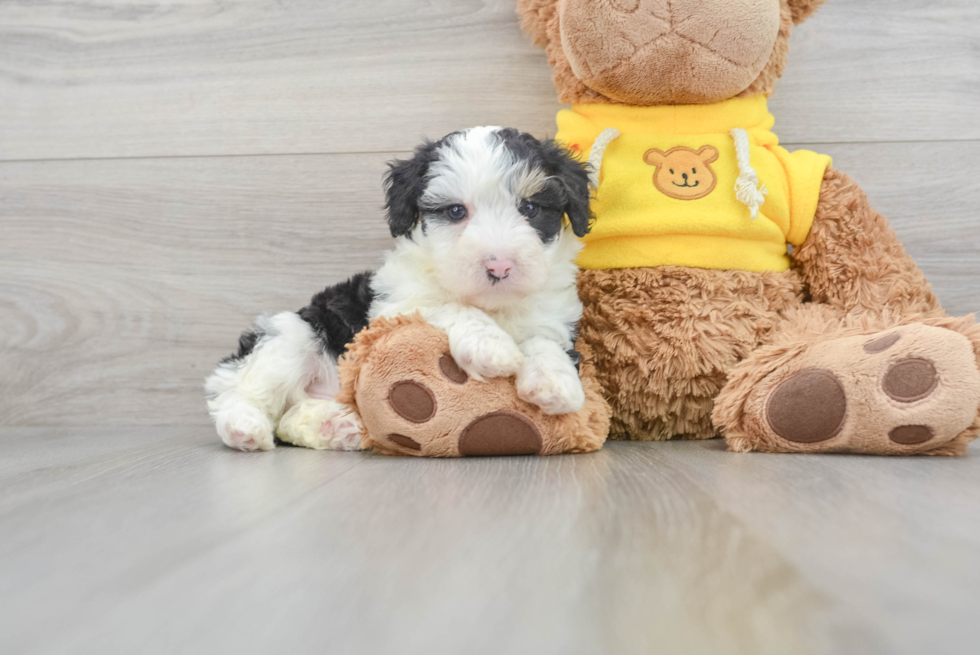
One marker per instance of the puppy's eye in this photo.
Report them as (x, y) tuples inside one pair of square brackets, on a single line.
[(529, 209), (456, 212), (672, 171), (694, 170)]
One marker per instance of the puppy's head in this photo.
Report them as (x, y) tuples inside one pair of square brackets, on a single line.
[(494, 209)]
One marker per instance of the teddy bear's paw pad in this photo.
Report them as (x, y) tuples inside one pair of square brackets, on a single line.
[(500, 433), (808, 407), (881, 344), (910, 380), (451, 370), (903, 391), (405, 442), (412, 401), (911, 435)]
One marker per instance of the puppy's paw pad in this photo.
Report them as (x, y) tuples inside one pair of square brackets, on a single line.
[(246, 441), (244, 427), (341, 432)]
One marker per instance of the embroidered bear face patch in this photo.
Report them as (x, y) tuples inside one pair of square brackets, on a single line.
[(682, 172)]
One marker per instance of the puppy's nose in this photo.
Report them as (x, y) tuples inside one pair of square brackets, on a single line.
[(499, 268), (684, 175)]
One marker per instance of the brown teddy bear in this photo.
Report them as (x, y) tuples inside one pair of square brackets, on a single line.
[(738, 288)]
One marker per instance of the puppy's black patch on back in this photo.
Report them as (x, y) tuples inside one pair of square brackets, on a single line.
[(339, 312)]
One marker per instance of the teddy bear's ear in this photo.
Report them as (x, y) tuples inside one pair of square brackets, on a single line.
[(655, 157), (535, 15), (708, 154), (803, 9)]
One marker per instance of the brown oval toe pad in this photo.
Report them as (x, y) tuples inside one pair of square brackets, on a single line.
[(881, 344), (911, 435), (910, 380), (500, 433), (451, 370), (808, 407), (412, 401), (405, 442)]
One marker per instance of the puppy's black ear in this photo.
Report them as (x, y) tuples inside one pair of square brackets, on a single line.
[(574, 176), (404, 184)]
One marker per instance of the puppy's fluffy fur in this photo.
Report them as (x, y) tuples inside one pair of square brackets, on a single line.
[(483, 222)]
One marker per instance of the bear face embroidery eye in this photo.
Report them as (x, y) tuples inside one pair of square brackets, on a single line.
[(694, 171), (528, 209), (456, 213), (672, 171)]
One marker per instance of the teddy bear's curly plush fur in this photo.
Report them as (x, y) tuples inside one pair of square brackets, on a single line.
[(848, 351)]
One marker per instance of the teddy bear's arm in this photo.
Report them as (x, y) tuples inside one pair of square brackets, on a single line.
[(853, 261)]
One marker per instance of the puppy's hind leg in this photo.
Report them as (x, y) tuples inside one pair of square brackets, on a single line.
[(317, 420), (322, 424), (249, 391)]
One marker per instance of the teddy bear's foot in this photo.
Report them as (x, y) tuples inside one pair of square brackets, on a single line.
[(415, 399), (913, 389), (448, 417), (321, 424)]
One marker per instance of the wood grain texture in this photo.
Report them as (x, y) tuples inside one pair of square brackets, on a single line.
[(162, 541), (136, 78), (123, 282), (133, 251), (126, 281)]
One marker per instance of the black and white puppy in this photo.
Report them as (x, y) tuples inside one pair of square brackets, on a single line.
[(483, 251)]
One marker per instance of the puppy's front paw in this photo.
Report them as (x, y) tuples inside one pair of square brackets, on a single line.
[(487, 354), (551, 385)]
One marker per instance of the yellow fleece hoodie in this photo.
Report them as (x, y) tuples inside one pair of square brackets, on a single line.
[(667, 180)]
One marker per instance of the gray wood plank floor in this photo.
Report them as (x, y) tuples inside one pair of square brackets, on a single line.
[(171, 169), (158, 540)]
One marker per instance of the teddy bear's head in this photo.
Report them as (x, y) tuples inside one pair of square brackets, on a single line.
[(659, 52)]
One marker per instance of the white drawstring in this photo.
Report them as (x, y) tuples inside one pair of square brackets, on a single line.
[(747, 188), (599, 146)]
